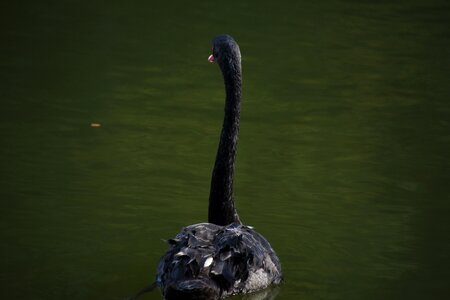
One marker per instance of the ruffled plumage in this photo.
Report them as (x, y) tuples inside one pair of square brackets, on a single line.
[(211, 261)]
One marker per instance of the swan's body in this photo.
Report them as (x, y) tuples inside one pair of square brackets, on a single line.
[(208, 261), (223, 257)]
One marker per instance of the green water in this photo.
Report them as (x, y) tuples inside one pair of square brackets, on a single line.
[(343, 160)]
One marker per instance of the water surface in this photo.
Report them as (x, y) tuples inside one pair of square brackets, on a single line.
[(343, 154)]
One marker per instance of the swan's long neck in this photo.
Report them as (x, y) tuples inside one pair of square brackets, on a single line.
[(221, 200)]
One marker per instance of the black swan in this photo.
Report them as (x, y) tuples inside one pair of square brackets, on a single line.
[(223, 257)]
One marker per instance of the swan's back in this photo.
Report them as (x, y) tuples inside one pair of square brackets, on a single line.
[(207, 261)]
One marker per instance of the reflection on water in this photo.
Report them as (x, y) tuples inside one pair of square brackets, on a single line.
[(343, 154), (267, 294)]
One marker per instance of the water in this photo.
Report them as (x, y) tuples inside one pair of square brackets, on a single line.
[(343, 155)]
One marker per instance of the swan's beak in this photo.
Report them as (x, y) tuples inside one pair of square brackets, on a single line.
[(211, 58)]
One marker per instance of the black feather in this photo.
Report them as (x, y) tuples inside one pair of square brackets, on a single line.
[(237, 252)]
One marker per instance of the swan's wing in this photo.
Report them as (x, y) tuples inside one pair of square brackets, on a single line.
[(244, 261), (189, 255)]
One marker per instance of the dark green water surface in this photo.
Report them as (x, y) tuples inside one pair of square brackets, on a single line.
[(343, 160)]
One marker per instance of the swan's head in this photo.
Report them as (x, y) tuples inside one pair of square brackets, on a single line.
[(225, 51)]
